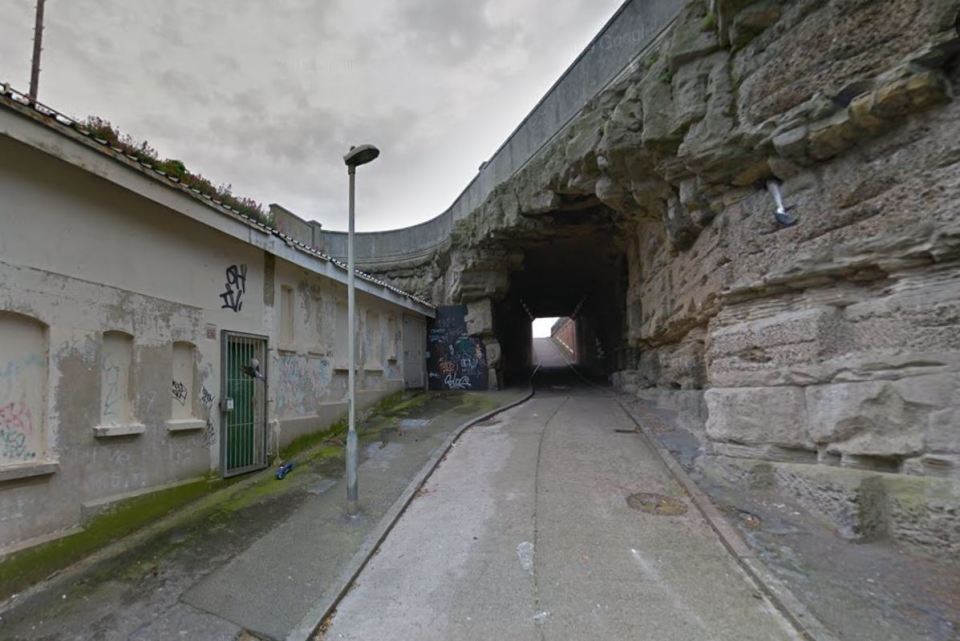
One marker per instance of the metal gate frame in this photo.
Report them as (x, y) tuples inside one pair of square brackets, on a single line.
[(257, 459)]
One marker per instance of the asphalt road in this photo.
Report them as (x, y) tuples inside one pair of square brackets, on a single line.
[(526, 532)]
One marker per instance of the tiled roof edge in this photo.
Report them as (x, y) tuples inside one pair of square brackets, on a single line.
[(62, 124)]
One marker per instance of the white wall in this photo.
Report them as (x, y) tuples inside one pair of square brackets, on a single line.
[(111, 313)]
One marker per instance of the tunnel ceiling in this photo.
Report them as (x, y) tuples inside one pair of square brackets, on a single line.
[(582, 256)]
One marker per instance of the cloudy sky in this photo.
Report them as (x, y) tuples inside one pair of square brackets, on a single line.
[(267, 96)]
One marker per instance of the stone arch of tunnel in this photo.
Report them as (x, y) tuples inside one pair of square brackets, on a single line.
[(827, 349), (577, 269)]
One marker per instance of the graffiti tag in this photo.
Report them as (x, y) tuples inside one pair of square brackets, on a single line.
[(206, 403), (180, 392), (456, 382), (468, 363), (236, 287), (15, 424), (446, 367), (454, 356)]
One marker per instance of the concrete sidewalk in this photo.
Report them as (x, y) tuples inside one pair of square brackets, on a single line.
[(299, 562), (528, 531), (264, 558)]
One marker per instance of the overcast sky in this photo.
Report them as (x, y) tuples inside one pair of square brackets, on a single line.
[(267, 96)]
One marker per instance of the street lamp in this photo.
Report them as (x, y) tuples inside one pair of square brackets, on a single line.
[(355, 157)]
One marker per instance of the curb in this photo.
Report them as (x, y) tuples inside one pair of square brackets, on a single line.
[(776, 590), (316, 615), (792, 608)]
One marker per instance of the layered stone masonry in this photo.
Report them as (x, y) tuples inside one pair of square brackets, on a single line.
[(832, 346)]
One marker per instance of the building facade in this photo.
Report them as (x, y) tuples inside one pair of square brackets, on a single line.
[(149, 336), (564, 332)]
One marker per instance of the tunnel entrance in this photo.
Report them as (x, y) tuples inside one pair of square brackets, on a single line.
[(573, 271), (561, 332)]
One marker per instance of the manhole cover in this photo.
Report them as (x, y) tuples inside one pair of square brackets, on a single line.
[(656, 504)]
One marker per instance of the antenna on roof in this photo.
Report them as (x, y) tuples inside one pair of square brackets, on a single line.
[(37, 48)]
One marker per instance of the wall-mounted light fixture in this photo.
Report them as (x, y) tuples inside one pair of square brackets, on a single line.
[(782, 214), (253, 369)]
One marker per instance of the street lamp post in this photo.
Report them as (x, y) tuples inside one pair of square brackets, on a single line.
[(355, 157)]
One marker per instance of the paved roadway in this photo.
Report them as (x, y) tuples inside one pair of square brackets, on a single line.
[(524, 532)]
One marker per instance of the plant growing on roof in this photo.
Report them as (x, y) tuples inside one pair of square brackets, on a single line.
[(103, 130), (198, 182), (172, 167), (144, 153)]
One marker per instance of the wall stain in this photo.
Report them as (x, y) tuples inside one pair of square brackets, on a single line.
[(300, 383)]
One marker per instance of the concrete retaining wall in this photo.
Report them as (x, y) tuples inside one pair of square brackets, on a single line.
[(635, 25)]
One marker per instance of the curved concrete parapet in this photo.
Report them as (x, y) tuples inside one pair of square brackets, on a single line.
[(625, 36), (381, 248)]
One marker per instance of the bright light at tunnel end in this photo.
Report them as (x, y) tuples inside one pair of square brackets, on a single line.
[(542, 326)]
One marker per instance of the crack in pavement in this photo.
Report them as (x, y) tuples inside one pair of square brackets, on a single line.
[(540, 615)]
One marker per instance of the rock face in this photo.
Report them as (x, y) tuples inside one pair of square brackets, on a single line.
[(832, 343)]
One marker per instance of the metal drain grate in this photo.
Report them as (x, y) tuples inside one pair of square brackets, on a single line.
[(657, 504)]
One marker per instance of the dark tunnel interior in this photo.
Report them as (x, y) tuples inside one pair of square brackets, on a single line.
[(580, 273)]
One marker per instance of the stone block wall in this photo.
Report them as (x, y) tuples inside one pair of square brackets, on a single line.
[(829, 350), (831, 346)]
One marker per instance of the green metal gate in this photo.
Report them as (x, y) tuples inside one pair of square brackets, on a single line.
[(243, 437)]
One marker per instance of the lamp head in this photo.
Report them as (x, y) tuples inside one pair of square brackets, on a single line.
[(360, 155)]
